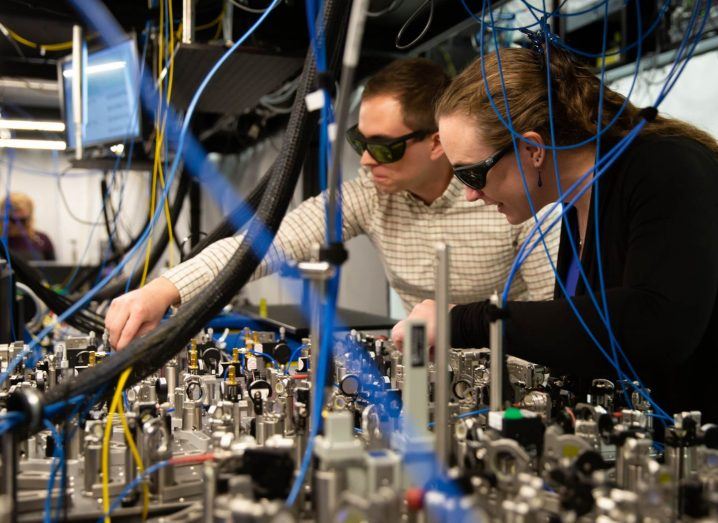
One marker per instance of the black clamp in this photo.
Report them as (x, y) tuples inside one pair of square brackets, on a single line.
[(536, 40), (334, 253), (496, 313), (648, 113)]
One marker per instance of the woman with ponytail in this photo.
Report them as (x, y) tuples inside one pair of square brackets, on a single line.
[(656, 222)]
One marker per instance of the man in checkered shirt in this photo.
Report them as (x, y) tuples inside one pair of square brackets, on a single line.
[(405, 200)]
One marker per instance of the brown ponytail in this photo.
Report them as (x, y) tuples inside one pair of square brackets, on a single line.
[(575, 95)]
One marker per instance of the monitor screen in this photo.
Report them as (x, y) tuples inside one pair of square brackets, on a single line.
[(112, 100)]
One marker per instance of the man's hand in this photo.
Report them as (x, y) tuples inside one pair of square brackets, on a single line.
[(425, 311), (138, 312)]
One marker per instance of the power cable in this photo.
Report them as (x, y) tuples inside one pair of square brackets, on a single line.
[(248, 9), (388, 9), (429, 20), (106, 202)]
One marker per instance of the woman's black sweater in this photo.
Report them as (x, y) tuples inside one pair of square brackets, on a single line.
[(658, 223)]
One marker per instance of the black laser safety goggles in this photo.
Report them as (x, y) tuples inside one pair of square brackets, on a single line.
[(474, 175), (383, 150)]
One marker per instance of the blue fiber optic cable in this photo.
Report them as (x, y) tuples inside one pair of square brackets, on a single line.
[(697, 39), (133, 485), (265, 356), (511, 276), (58, 458), (518, 136), (190, 110), (651, 28), (541, 234), (555, 13)]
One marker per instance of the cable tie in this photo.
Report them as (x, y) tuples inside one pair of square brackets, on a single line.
[(535, 40), (648, 113), (314, 100), (332, 132)]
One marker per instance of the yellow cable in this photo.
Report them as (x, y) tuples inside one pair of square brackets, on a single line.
[(172, 57), (160, 39), (158, 142), (160, 135), (160, 126), (170, 50), (20, 39), (136, 454), (106, 443), (168, 217), (219, 29), (214, 22), (61, 46), (145, 269)]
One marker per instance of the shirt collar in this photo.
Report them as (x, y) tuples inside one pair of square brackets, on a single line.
[(454, 192)]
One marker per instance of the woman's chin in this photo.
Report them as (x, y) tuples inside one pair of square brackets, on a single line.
[(512, 217)]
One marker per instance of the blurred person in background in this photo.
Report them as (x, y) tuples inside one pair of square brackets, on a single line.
[(22, 238)]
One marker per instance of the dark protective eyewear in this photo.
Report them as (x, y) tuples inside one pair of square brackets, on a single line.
[(474, 175), (20, 220), (383, 150)]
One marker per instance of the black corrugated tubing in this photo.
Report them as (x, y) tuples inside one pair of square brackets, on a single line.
[(168, 339)]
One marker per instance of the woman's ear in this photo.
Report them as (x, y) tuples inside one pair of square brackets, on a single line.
[(437, 150), (534, 146)]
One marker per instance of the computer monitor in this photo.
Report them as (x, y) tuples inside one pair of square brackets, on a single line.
[(112, 102)]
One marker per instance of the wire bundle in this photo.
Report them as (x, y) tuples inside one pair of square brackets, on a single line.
[(152, 349)]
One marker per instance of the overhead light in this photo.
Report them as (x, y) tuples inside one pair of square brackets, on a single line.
[(32, 125), (98, 68), (46, 145)]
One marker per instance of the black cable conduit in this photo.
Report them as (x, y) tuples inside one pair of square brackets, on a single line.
[(172, 336)]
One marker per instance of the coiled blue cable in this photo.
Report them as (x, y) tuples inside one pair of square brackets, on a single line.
[(548, 147), (662, 11), (679, 57), (533, 10), (639, 40)]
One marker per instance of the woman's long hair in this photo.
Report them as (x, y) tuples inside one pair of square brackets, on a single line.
[(22, 201), (575, 97)]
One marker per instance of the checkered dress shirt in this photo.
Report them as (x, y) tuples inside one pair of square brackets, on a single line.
[(404, 231)]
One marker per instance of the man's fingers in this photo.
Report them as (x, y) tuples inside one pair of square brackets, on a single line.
[(146, 327), (130, 330), (115, 322)]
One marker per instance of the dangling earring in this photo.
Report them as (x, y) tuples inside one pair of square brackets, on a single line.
[(540, 181)]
